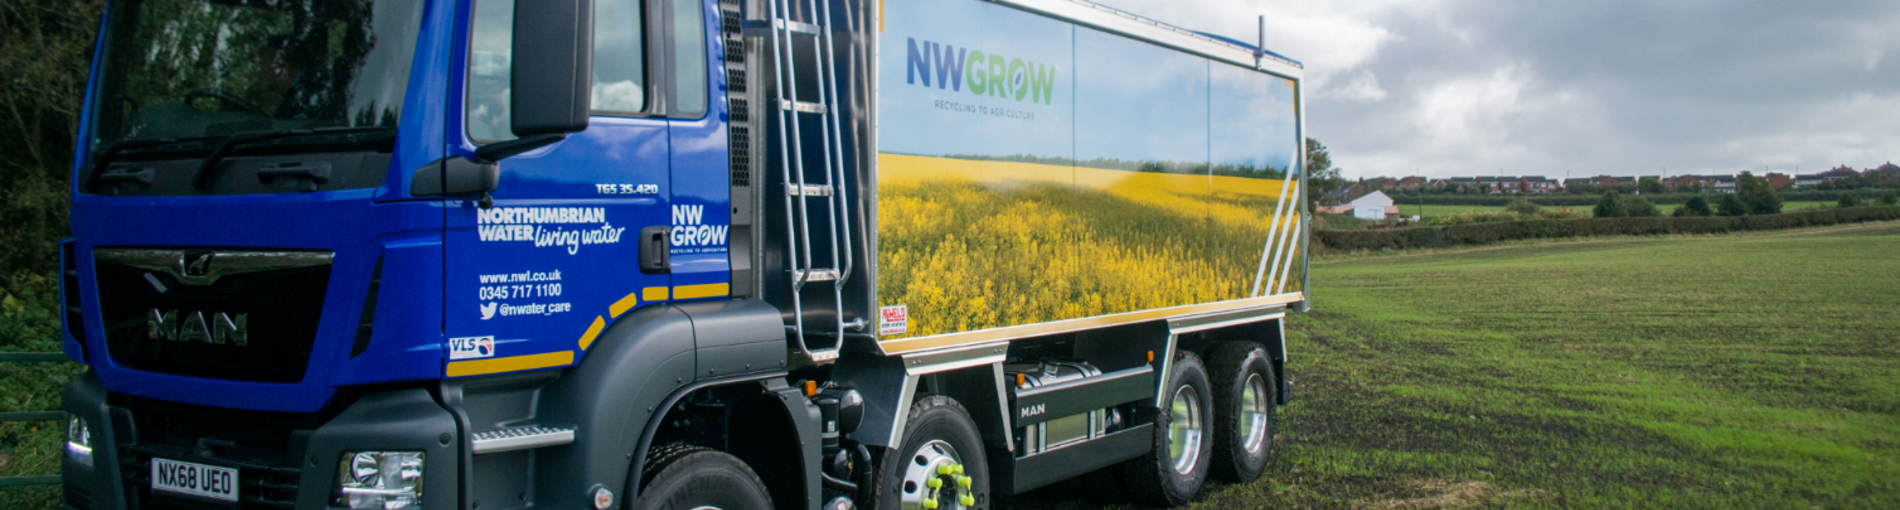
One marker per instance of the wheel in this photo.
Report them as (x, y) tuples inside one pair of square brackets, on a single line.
[(681, 477), (1244, 414), (940, 466), (1173, 472)]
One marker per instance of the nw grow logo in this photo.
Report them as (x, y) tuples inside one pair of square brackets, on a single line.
[(986, 74)]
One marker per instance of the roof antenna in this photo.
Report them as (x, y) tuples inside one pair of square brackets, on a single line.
[(1260, 50)]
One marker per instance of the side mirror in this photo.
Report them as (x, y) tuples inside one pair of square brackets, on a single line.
[(553, 76)]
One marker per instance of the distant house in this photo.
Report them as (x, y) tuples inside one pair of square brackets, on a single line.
[(1684, 183), (1808, 180), (1370, 206), (1412, 182), (1537, 184), (1722, 183), (1883, 174), (1839, 173), (1779, 180)]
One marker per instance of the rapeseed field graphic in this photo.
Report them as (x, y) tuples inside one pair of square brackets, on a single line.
[(970, 245)]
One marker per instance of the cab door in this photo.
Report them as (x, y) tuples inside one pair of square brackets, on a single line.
[(533, 278)]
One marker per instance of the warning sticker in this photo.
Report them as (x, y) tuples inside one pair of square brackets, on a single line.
[(893, 320)]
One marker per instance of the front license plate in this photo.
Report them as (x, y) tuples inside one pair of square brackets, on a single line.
[(211, 482)]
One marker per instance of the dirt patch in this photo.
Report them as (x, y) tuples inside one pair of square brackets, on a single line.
[(1446, 494)]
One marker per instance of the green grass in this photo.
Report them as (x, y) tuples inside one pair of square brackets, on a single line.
[(1736, 371)]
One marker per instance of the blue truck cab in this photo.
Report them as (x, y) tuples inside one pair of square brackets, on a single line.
[(297, 224), (510, 254)]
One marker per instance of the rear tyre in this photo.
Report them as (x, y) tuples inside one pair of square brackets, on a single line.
[(1173, 472), (940, 466), (1244, 414), (681, 477)]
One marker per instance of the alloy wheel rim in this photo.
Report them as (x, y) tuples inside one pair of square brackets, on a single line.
[(1184, 430), (1253, 413), (934, 479)]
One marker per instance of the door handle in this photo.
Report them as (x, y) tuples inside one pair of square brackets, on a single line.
[(655, 250)]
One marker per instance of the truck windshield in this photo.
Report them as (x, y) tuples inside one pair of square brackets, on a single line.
[(184, 69)]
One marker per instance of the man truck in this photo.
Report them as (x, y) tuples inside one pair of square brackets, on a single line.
[(507, 254)]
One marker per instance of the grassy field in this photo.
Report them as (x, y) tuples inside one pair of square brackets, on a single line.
[(1739, 371)]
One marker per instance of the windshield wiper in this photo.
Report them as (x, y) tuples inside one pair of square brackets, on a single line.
[(105, 156), (208, 171)]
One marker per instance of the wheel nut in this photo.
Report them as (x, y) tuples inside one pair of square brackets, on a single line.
[(968, 500), (935, 483), (964, 481)]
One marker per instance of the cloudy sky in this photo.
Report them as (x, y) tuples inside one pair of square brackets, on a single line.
[(1479, 87)]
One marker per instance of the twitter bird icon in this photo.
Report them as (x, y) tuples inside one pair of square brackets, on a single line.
[(488, 310)]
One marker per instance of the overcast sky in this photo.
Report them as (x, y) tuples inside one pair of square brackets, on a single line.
[(1478, 87)]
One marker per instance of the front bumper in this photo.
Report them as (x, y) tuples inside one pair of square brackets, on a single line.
[(283, 461)]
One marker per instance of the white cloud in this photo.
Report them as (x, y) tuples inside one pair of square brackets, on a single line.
[(1469, 87), (1363, 87)]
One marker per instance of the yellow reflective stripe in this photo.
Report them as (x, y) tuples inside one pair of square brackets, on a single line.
[(700, 291), (653, 294), (510, 364), (587, 339), (624, 304)]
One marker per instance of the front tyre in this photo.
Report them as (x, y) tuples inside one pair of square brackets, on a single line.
[(681, 477), (1173, 472), (940, 466), (1244, 417)]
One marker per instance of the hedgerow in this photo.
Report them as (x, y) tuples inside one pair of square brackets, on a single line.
[(1487, 233)]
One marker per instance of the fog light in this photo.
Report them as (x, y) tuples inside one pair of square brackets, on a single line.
[(79, 440), (380, 480)]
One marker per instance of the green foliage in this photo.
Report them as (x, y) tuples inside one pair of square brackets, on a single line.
[(1696, 206), (1849, 200), (1731, 205), (1491, 232), (1651, 185), (1322, 177), (1640, 208), (1889, 198), (1521, 205), (45, 49), (1755, 191), (1470, 217), (1611, 206)]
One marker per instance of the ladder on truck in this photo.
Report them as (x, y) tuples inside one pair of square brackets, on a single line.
[(823, 183)]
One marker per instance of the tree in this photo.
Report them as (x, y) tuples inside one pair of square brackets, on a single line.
[(1640, 207), (1651, 185), (1321, 175), (1889, 198), (1696, 206), (1731, 205), (1523, 206), (1848, 199), (1757, 194), (1611, 206)]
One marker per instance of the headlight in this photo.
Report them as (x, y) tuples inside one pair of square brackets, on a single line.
[(79, 440), (380, 480)]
